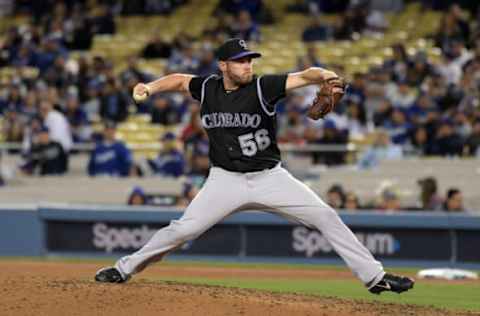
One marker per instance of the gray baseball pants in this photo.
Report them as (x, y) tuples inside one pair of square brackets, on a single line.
[(274, 190)]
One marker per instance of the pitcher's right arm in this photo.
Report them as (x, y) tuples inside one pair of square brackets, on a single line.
[(168, 83)]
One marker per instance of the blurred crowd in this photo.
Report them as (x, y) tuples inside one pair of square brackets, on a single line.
[(389, 199), (50, 101), (409, 105)]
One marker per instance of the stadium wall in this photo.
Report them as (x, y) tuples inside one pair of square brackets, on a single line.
[(21, 231), (408, 238)]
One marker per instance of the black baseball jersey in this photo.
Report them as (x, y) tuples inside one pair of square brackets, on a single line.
[(241, 124)]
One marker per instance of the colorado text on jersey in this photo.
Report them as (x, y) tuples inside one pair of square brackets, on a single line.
[(221, 119)]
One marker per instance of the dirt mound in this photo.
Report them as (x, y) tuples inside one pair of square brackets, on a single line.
[(52, 288)]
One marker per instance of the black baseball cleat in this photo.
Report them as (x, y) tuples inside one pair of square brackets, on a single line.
[(393, 283), (109, 275)]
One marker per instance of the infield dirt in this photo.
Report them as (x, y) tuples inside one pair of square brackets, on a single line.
[(55, 288)]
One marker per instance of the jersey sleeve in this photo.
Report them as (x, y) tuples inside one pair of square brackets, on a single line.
[(195, 87), (273, 88)]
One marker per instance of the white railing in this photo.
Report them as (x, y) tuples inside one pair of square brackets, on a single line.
[(286, 147)]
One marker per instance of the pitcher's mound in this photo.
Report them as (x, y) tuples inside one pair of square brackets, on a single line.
[(54, 288)]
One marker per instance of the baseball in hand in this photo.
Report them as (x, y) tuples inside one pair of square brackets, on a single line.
[(141, 92)]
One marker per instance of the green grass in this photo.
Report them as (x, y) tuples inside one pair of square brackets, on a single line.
[(451, 296), (205, 263), (200, 263)]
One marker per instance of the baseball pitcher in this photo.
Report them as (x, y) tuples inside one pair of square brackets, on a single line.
[(238, 114)]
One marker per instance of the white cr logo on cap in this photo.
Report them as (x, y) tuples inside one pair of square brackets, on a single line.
[(243, 44)]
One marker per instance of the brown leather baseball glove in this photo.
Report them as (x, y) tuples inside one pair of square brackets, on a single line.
[(330, 93)]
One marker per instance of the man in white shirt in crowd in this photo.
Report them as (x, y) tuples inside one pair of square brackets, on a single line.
[(57, 124)]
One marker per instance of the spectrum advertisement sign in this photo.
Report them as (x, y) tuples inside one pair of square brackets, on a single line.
[(254, 240)]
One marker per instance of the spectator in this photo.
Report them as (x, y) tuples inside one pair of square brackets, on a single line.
[(199, 161), (352, 202), (30, 108), (133, 70), (420, 144), (254, 7), (110, 157), (24, 57), (356, 16), (195, 139), (420, 109), (468, 89), (436, 87), (46, 54), (91, 104), (462, 125), (316, 31), (245, 28), (57, 75), (472, 144), (13, 126), (389, 201), (113, 104), (447, 142), (170, 161), (293, 127), (356, 117), (77, 118), (331, 136), (222, 29), (312, 57), (46, 155), (52, 95), (398, 65), (454, 201), (382, 149), (163, 112), (193, 129), (452, 27), (429, 198), (183, 59), (383, 113), (457, 14), (207, 63), (189, 190), (103, 20), (79, 30), (398, 127), (378, 83), (357, 88), (342, 30), (57, 124), (401, 96), (181, 41), (450, 67), (29, 133), (156, 48), (418, 69), (13, 99), (137, 197), (336, 196)]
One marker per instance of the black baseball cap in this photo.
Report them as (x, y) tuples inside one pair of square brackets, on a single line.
[(235, 48)]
